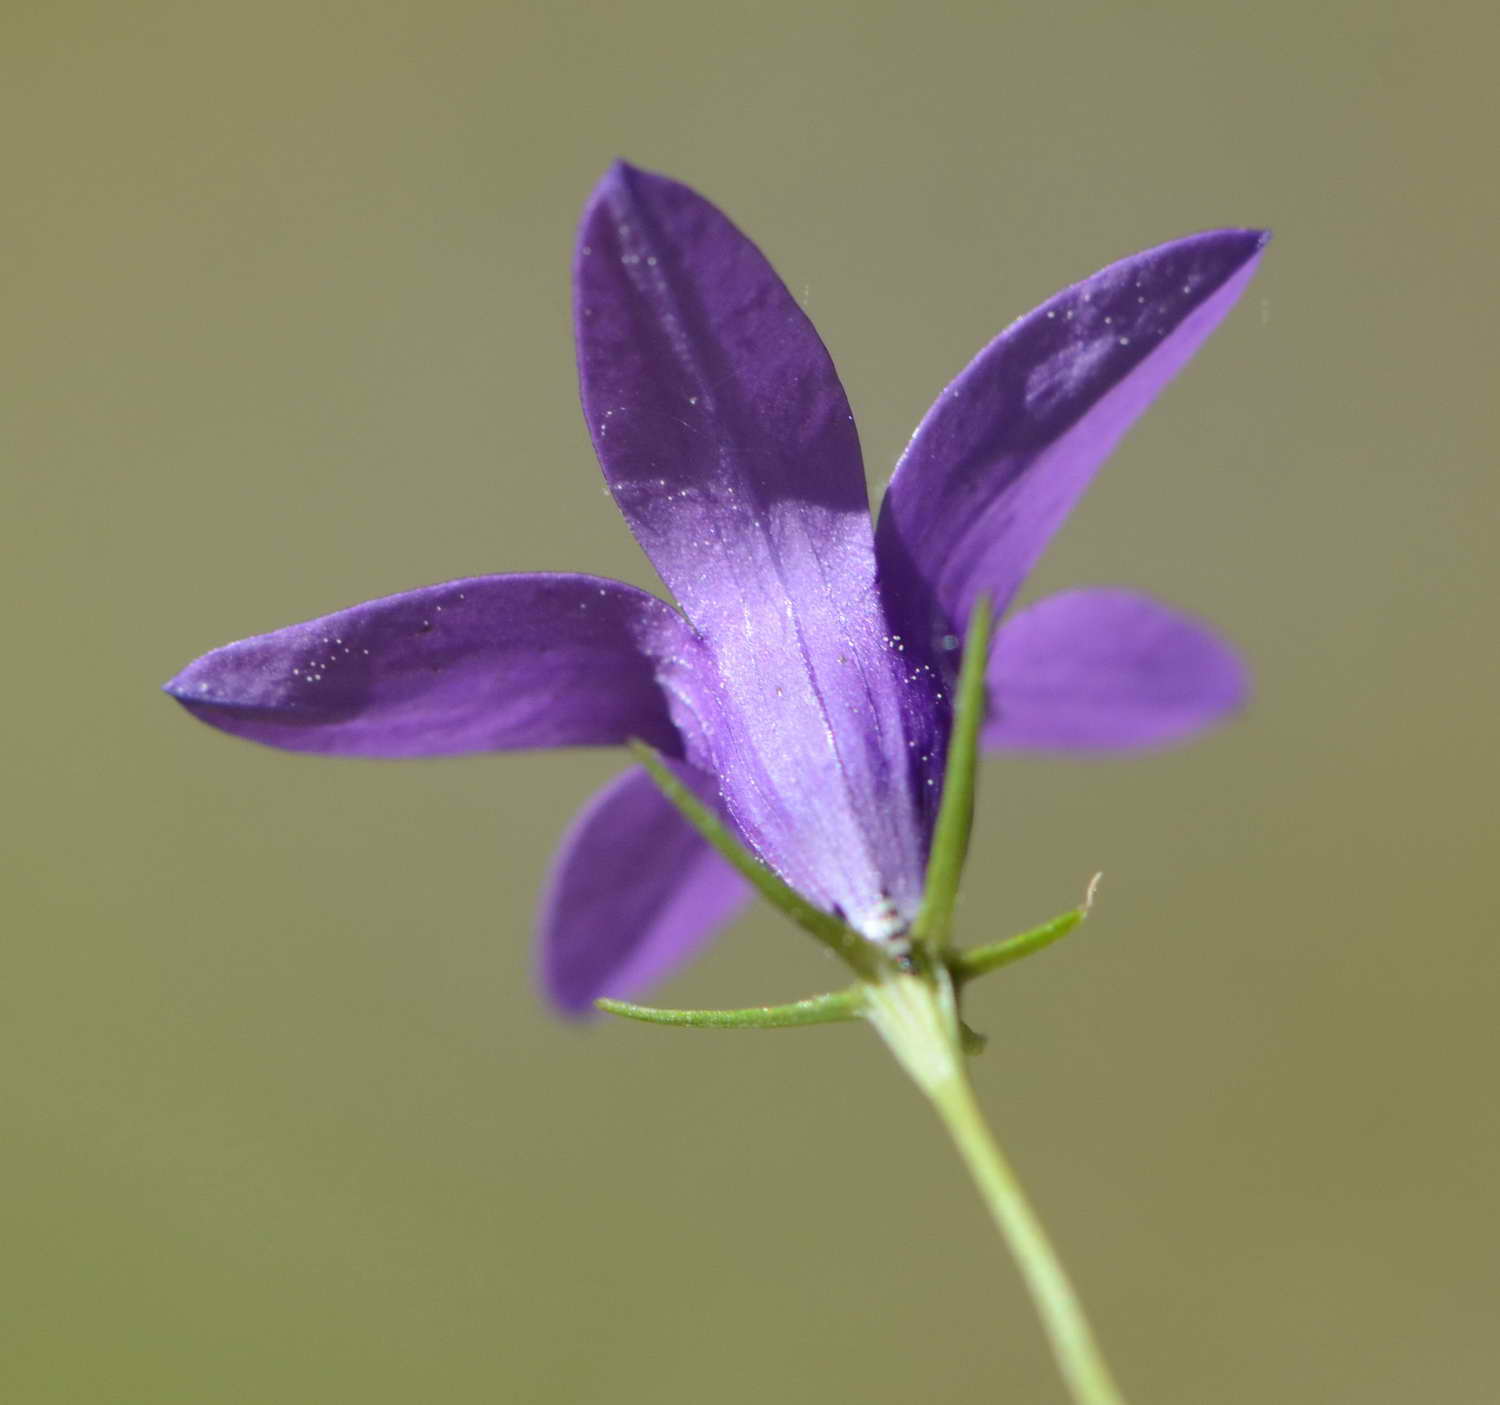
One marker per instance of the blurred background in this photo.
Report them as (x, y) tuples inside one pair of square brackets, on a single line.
[(286, 327)]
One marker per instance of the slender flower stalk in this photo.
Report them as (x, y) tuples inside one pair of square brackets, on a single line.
[(913, 1018), (808, 712), (1074, 1348)]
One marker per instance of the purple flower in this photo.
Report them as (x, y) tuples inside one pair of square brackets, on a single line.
[(804, 680)]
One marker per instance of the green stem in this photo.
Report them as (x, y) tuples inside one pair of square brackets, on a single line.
[(1073, 1345), (917, 1019)]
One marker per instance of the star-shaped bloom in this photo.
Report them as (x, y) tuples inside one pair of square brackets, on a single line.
[(802, 683)]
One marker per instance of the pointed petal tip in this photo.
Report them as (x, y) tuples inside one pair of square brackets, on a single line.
[(624, 177), (622, 170), (618, 188), (624, 188), (194, 686), (618, 172), (1247, 242), (1254, 236), (1256, 239), (1235, 245)]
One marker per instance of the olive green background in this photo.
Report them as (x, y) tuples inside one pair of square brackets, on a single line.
[(285, 326)]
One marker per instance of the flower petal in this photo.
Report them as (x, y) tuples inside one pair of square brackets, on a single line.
[(715, 410), (634, 892), (1097, 670), (728, 443), (1001, 458), (489, 663)]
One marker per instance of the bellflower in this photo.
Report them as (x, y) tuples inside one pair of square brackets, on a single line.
[(803, 682)]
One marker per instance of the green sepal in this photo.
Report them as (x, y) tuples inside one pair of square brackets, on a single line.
[(832, 1008), (843, 940), (964, 966), (950, 837)]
